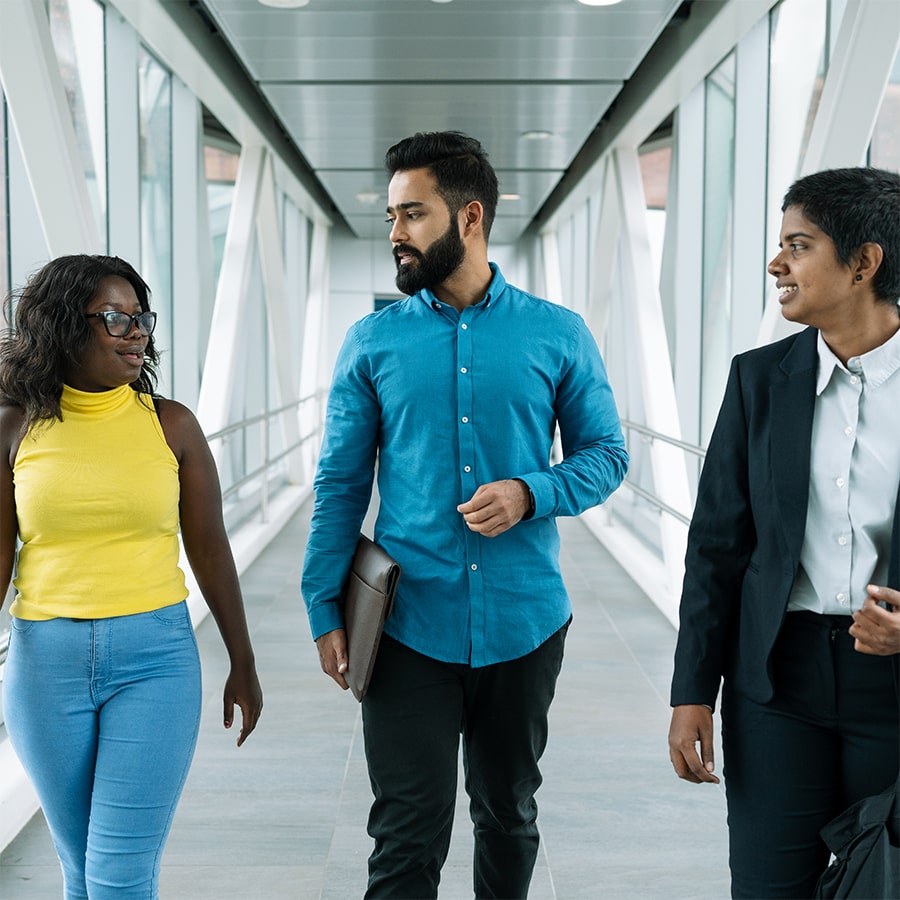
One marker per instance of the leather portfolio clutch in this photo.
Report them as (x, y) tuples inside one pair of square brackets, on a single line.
[(368, 598)]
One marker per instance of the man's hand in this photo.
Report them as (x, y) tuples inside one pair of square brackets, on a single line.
[(875, 629), (692, 724), (496, 507), (332, 647)]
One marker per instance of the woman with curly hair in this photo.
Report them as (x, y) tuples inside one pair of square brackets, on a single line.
[(97, 476)]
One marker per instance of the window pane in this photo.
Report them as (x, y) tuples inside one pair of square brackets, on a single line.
[(718, 203), (4, 217), (155, 94), (885, 149), (221, 174), (76, 27)]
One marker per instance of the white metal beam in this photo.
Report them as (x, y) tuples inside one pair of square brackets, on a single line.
[(269, 241), (217, 384), (42, 122)]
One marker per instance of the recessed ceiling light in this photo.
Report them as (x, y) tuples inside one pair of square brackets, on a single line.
[(284, 4), (536, 135), (367, 198), (599, 2), (441, 1), (510, 196)]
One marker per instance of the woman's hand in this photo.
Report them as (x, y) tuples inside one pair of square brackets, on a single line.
[(242, 688), (875, 629), (692, 724)]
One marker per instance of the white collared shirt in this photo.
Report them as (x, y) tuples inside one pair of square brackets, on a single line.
[(853, 479)]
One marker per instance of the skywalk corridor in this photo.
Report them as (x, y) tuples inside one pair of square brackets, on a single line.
[(283, 818)]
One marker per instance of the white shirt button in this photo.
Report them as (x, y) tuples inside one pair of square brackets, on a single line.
[(464, 370), (467, 469), (842, 540), (848, 431), (464, 419), (841, 598), (473, 567), (840, 482), (853, 378), (464, 326)]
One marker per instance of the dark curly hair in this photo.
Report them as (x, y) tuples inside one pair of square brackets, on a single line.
[(853, 207), (460, 167), (50, 333)]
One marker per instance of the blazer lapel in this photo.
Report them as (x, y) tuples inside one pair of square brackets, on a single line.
[(792, 400)]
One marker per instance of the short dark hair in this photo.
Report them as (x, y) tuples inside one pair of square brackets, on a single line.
[(50, 332), (854, 207), (459, 164)]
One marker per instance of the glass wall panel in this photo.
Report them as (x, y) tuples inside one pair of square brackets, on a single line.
[(155, 100), (797, 64), (221, 173), (76, 27), (718, 209), (4, 218), (885, 148)]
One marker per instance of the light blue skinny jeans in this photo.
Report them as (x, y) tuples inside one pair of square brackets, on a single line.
[(104, 715)]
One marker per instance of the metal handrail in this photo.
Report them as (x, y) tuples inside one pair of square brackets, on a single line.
[(657, 436), (649, 496)]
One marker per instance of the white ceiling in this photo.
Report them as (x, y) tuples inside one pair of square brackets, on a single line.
[(349, 78)]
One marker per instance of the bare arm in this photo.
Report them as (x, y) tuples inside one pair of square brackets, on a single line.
[(11, 418), (209, 553)]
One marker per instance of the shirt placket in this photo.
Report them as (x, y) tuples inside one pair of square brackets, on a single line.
[(466, 425), (851, 398)]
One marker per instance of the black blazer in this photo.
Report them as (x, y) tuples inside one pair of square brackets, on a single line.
[(747, 529)]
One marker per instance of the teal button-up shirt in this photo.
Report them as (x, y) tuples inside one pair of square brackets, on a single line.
[(446, 401)]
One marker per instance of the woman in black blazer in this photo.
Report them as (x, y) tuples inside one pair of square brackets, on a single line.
[(791, 593)]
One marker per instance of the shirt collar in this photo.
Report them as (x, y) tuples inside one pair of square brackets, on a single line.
[(493, 293), (876, 366)]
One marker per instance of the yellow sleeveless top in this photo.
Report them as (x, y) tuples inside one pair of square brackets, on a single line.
[(97, 503)]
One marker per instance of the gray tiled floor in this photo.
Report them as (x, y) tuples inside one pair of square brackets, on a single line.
[(284, 816)]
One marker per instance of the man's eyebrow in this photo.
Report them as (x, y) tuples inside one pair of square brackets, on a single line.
[(409, 204)]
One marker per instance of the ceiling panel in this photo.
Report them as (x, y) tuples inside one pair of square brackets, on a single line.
[(348, 78)]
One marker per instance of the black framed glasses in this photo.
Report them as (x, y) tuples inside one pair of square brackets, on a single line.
[(118, 324)]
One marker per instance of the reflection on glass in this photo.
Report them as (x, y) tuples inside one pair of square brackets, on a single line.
[(221, 173), (76, 27), (718, 201), (885, 148), (155, 97)]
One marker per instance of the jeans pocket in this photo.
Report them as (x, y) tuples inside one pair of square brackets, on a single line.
[(176, 614), (21, 626)]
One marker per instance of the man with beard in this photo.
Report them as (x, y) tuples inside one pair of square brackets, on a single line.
[(456, 392)]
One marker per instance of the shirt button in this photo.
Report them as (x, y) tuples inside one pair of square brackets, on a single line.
[(841, 598), (473, 567), (464, 419), (840, 482), (848, 431), (842, 540), (436, 305), (464, 370), (467, 469), (853, 378), (464, 326)]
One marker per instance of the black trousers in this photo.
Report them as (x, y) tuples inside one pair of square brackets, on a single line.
[(830, 736), (413, 715)]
